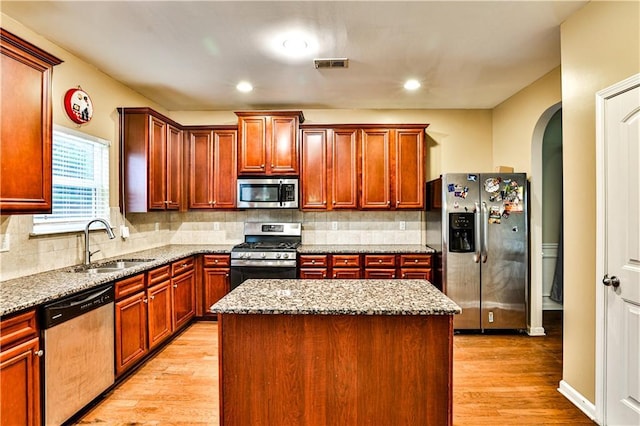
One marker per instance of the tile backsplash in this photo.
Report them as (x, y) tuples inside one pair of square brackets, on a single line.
[(27, 254)]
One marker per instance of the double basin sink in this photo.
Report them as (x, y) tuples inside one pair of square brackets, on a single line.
[(111, 266)]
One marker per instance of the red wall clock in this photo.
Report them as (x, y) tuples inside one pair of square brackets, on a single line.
[(78, 105)]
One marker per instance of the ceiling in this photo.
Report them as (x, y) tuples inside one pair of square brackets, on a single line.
[(189, 55)]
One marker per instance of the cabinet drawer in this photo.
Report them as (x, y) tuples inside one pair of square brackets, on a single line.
[(216, 260), (380, 274), (160, 274), (313, 273), (415, 260), (346, 273), (415, 274), (311, 261), (17, 329), (345, 260), (380, 261), (129, 286), (182, 266)]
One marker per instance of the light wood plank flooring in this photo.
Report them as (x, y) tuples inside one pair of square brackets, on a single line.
[(498, 380)]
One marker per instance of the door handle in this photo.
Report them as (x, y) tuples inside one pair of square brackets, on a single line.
[(485, 231), (476, 216), (612, 281)]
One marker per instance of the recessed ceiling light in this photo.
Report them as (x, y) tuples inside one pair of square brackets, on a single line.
[(244, 87), (295, 45), (412, 84)]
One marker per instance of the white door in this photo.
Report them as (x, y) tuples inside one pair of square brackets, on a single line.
[(619, 252)]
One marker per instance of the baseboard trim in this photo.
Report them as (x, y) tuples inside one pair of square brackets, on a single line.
[(536, 331), (578, 400)]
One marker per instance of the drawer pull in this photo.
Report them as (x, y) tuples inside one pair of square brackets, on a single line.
[(379, 260), (313, 261), (415, 260)]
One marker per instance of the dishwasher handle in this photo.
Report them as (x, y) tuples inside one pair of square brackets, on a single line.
[(73, 306)]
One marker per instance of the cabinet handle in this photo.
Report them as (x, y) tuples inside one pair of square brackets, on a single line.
[(324, 202), (313, 261), (346, 261), (184, 265), (215, 261), (262, 166), (272, 165), (335, 275), (379, 260), (210, 202), (415, 260), (334, 203), (145, 301), (226, 275), (397, 203), (152, 297), (389, 203), (39, 353), (214, 202), (175, 286), (404, 275)]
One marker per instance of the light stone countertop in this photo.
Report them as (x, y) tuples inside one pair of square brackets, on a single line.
[(336, 297), (33, 290)]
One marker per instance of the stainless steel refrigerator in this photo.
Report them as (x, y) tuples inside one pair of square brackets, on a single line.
[(483, 237)]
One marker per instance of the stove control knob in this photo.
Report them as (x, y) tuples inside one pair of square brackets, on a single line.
[(264, 255), (278, 255), (286, 255)]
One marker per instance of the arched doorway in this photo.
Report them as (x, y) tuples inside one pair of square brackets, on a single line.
[(536, 203)]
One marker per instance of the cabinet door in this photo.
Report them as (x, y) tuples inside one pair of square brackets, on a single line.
[(409, 169), (20, 384), (184, 298), (252, 147), (157, 164), (131, 331), (283, 146), (201, 169), (224, 169), (314, 170), (26, 124), (344, 169), (160, 320), (216, 286), (375, 169), (174, 168)]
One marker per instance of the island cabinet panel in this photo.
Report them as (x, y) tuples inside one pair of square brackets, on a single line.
[(345, 266), (20, 370), (336, 369), (212, 168), (268, 142), (313, 266), (416, 267), (26, 126)]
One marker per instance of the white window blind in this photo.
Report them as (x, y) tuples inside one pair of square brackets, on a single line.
[(80, 182)]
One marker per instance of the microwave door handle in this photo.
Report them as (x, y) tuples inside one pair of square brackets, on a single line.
[(280, 192)]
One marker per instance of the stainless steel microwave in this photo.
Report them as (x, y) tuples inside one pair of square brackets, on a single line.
[(267, 193)]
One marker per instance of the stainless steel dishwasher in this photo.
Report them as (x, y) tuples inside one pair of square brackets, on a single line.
[(78, 352)]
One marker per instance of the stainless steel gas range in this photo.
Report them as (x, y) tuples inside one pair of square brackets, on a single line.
[(268, 251)]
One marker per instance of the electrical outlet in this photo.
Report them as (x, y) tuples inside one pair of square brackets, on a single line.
[(216, 226), (157, 226), (4, 242), (490, 316), (124, 231), (334, 226), (403, 225)]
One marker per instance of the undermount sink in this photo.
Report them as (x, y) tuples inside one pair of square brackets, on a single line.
[(111, 266)]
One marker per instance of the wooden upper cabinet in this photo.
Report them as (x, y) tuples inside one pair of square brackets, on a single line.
[(151, 159), (26, 117), (376, 166), (212, 168), (409, 169), (393, 161), (268, 142), (329, 168)]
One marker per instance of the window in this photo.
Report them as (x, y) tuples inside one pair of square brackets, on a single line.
[(80, 182)]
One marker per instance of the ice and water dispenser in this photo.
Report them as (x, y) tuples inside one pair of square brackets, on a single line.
[(461, 232)]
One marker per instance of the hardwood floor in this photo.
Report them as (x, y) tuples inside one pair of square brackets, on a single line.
[(498, 380)]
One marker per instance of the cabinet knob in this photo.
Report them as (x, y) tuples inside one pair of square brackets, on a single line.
[(39, 353), (404, 275), (415, 260), (388, 203), (145, 301), (272, 165), (213, 202), (175, 286), (210, 202), (379, 260), (397, 203), (346, 261), (334, 203), (152, 297), (226, 275), (313, 261), (215, 261), (262, 166)]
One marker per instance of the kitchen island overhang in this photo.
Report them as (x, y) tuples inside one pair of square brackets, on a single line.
[(349, 352)]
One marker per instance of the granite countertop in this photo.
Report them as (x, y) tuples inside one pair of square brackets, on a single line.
[(365, 248), (33, 290), (336, 297)]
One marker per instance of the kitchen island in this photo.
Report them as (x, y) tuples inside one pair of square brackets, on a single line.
[(341, 352)]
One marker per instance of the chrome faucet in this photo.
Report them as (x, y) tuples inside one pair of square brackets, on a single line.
[(87, 252)]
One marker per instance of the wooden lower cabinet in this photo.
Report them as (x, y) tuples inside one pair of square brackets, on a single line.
[(380, 266), (345, 266), (131, 331), (313, 266), (184, 299), (20, 370), (216, 281), (159, 312)]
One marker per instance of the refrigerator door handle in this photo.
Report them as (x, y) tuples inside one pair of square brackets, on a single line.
[(476, 216), (485, 231)]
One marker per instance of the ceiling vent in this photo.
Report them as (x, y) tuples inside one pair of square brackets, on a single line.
[(331, 63)]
